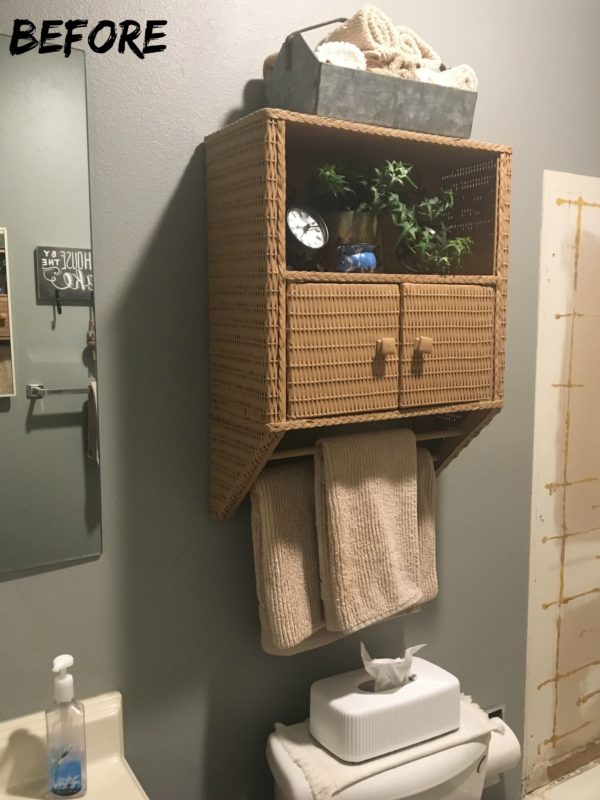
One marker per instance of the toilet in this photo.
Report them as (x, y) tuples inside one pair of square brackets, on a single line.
[(458, 773)]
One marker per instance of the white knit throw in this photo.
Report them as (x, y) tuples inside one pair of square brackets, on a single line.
[(399, 50)]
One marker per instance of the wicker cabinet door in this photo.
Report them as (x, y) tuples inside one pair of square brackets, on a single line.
[(447, 344), (342, 348)]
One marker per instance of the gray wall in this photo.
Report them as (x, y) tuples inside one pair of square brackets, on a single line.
[(168, 614), (50, 494)]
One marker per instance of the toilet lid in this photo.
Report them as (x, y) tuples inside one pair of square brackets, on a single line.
[(394, 784)]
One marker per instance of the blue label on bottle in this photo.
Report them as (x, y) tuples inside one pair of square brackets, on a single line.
[(65, 773)]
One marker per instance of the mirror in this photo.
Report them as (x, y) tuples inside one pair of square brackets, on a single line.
[(49, 471), (7, 369)]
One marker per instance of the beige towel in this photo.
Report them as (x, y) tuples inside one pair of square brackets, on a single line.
[(366, 507), (328, 775), (426, 521), (286, 560), (417, 49), (413, 55)]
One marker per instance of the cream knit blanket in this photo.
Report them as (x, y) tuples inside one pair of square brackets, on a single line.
[(328, 775), (398, 50), (375, 559)]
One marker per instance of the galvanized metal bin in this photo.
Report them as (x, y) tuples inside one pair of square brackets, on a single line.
[(300, 82)]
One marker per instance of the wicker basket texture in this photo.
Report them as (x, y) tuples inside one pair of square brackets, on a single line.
[(460, 320), (333, 364)]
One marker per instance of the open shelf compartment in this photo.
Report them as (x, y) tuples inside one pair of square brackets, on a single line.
[(473, 171)]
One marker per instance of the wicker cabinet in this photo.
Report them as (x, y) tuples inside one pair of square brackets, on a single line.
[(297, 355)]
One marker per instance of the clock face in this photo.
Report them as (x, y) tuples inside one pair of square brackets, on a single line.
[(307, 227)]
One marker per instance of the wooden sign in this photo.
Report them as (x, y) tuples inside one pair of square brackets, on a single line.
[(67, 270)]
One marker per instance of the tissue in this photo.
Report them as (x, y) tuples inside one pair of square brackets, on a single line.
[(389, 673)]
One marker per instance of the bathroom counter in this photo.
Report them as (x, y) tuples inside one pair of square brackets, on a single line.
[(23, 760)]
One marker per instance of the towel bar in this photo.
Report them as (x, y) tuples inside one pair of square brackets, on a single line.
[(299, 452), (36, 391)]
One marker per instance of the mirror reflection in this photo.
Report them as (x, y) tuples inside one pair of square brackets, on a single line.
[(49, 470), (7, 371)]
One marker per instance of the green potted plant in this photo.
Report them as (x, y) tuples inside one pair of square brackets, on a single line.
[(352, 204), (424, 242)]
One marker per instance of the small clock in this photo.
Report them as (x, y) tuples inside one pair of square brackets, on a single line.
[(306, 231)]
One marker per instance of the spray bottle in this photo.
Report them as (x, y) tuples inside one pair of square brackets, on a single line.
[(65, 730)]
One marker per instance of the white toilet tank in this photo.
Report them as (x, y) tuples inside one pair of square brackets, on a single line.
[(454, 774)]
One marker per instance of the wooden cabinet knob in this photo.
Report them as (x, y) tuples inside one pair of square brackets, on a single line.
[(3, 318), (424, 344), (386, 347)]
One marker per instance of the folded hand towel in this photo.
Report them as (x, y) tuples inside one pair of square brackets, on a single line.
[(342, 54), (286, 560), (376, 560), (412, 55), (367, 530), (426, 522), (373, 32), (327, 775), (414, 45)]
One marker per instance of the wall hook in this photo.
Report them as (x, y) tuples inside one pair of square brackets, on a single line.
[(57, 301)]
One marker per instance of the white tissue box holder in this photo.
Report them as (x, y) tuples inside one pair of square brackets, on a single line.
[(356, 723)]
